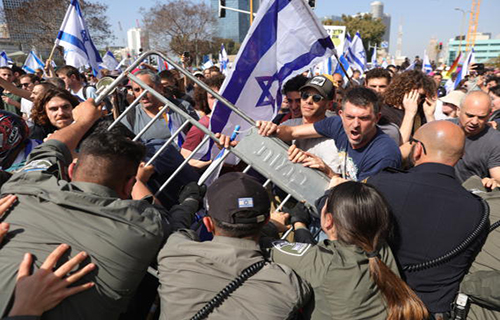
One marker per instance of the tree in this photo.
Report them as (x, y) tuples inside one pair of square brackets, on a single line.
[(180, 25), (371, 30), (494, 62), (40, 20), (231, 46)]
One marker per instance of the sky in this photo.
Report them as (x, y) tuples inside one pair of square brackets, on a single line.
[(421, 20)]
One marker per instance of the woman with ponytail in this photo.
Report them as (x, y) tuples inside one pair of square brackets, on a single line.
[(353, 273)]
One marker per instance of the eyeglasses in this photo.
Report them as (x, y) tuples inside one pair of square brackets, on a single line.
[(316, 97), (25, 85), (412, 140)]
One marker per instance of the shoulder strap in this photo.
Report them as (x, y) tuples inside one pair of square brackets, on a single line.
[(84, 92), (226, 292)]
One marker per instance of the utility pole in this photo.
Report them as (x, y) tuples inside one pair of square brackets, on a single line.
[(461, 29), (399, 50)]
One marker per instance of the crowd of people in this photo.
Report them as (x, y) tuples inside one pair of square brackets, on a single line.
[(402, 230)]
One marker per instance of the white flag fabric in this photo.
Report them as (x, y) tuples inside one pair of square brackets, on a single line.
[(374, 63), (285, 39), (74, 37), (465, 67), (109, 61), (411, 66), (4, 59), (32, 63), (356, 54), (223, 60), (426, 64), (208, 64), (384, 63)]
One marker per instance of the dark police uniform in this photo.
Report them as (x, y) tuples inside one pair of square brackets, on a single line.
[(433, 214), (122, 237)]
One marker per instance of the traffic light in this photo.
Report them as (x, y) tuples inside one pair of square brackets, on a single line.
[(312, 3), (222, 8), (440, 46)]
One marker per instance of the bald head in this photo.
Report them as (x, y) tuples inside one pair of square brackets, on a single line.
[(475, 110), (444, 143)]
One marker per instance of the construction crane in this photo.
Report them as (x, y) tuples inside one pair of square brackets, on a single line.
[(473, 21)]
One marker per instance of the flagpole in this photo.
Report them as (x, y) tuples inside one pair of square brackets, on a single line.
[(342, 67), (251, 12), (49, 60)]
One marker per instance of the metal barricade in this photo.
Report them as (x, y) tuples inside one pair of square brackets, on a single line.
[(267, 155)]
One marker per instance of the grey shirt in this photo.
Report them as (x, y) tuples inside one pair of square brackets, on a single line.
[(192, 273), (169, 122), (482, 152), (322, 147), (159, 129), (122, 237)]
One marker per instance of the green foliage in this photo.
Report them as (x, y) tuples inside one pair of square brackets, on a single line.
[(371, 30), (494, 62), (231, 46)]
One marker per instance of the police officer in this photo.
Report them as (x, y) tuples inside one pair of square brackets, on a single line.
[(92, 213), (191, 273), (482, 283), (341, 270), (433, 214)]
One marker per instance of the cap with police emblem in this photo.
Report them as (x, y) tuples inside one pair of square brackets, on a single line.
[(323, 84), (238, 198)]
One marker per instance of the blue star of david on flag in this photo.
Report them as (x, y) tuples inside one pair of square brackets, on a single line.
[(266, 98)]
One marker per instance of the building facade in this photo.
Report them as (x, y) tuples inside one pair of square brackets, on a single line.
[(377, 11), (485, 48), (137, 40), (16, 28), (236, 24)]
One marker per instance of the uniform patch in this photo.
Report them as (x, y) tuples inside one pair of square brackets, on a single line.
[(294, 249), (37, 165), (245, 202)]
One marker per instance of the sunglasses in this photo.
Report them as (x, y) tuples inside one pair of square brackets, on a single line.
[(316, 97), (24, 85), (412, 140)]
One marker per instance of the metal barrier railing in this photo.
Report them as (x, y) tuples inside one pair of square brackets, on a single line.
[(266, 155)]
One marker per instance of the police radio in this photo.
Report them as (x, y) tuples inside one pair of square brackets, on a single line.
[(461, 307)]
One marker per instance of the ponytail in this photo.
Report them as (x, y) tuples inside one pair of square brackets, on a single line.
[(402, 302), (362, 218)]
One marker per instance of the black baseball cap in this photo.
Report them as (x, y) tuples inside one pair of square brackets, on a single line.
[(238, 198), (324, 86)]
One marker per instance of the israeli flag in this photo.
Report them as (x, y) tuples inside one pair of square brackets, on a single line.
[(4, 59), (356, 54), (224, 60), (285, 39), (411, 66), (374, 63), (109, 61), (465, 67), (384, 64), (74, 37), (346, 66), (207, 64), (426, 65), (32, 63), (162, 64)]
